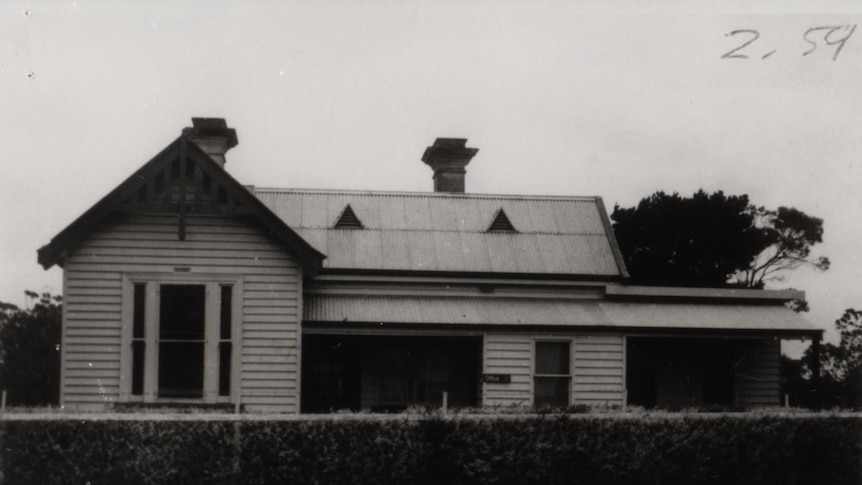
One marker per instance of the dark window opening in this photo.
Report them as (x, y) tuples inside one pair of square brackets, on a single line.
[(552, 358), (138, 352), (181, 312), (225, 317), (181, 340), (552, 379), (225, 347), (552, 391), (138, 319), (225, 350), (138, 344), (181, 369)]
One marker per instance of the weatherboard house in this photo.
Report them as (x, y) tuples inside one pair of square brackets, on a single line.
[(182, 286)]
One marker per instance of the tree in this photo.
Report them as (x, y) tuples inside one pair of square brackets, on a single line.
[(29, 350), (843, 360), (790, 234), (698, 241), (840, 368), (713, 240)]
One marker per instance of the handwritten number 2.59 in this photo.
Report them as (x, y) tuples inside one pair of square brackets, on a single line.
[(829, 35)]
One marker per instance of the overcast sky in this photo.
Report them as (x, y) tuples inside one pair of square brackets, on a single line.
[(560, 99)]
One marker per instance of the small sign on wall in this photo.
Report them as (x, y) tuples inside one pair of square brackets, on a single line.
[(497, 378)]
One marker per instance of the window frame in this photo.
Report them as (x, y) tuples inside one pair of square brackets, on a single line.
[(212, 335), (569, 376)]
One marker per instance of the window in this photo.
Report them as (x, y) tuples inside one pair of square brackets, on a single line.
[(179, 339), (552, 378), (139, 345), (225, 346)]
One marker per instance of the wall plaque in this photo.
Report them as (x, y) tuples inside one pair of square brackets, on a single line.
[(497, 378)]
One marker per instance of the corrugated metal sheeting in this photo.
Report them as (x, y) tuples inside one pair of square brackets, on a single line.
[(532, 311), (448, 232)]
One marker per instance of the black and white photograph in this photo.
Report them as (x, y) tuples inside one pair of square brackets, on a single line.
[(430, 242)]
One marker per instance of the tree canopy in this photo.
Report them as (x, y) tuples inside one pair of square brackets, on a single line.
[(789, 234), (845, 359), (29, 350), (713, 240), (840, 367)]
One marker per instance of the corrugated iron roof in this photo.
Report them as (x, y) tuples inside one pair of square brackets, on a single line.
[(550, 312), (448, 232)]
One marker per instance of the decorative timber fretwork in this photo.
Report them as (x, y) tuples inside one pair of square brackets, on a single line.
[(182, 180), (184, 186)]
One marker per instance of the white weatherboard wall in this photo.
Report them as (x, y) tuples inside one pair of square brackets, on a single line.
[(597, 368), (508, 354), (271, 300)]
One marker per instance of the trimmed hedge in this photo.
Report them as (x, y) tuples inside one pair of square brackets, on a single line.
[(536, 450)]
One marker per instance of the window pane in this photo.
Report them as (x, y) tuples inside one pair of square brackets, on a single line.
[(181, 369), (226, 304), (138, 314), (138, 349), (181, 314), (224, 369), (552, 391), (552, 358)]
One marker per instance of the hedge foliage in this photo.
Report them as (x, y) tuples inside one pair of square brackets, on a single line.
[(536, 450)]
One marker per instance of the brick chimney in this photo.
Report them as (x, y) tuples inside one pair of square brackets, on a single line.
[(448, 157), (212, 136)]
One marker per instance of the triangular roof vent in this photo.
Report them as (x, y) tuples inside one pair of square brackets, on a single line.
[(501, 223), (348, 220)]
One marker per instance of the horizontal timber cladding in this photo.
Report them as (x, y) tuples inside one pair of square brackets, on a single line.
[(510, 354), (149, 244), (757, 376), (597, 368)]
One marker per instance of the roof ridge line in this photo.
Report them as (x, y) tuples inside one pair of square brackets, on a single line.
[(477, 231), (385, 193)]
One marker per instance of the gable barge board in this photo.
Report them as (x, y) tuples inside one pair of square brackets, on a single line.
[(112, 205)]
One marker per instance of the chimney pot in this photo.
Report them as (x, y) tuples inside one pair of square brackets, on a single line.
[(448, 157), (212, 136)]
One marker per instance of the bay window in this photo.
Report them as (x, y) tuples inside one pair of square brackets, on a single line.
[(178, 336)]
